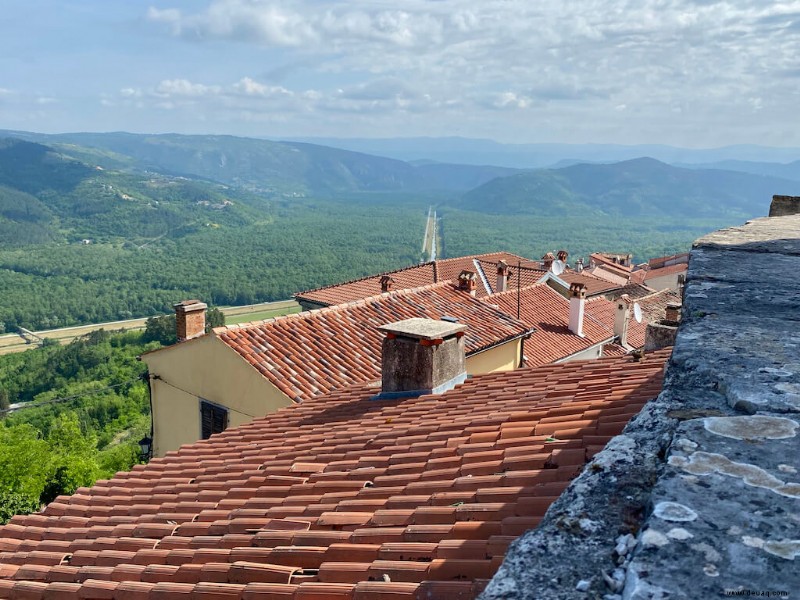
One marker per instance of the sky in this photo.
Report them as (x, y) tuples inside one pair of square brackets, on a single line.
[(690, 73)]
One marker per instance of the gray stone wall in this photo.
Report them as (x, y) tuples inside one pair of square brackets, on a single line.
[(700, 495)]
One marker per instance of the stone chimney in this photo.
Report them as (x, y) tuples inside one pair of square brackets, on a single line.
[(621, 318), (783, 206), (660, 335), (387, 283), (579, 265), (577, 306), (190, 319), (672, 314), (547, 261), (503, 273), (422, 356), (468, 282)]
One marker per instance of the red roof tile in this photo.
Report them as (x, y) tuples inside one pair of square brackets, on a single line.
[(547, 311), (310, 353), (415, 276), (594, 285), (477, 467)]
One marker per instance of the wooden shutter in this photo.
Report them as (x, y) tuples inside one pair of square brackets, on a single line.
[(213, 419)]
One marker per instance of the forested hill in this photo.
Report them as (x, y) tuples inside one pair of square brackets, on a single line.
[(263, 165), (640, 187), (49, 196)]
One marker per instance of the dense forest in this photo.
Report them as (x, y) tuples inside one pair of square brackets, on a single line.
[(81, 410), (94, 233)]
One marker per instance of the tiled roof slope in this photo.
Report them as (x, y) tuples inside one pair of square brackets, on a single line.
[(438, 271), (410, 277), (448, 269), (668, 270), (340, 497), (547, 311), (653, 307), (527, 273), (594, 285), (311, 353)]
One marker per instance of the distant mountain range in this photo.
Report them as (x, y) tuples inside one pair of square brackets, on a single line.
[(639, 187), (140, 187), (262, 165), (529, 156)]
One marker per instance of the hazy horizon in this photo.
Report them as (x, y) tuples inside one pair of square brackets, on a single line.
[(682, 73)]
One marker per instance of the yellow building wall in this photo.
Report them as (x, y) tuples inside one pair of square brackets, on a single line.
[(207, 369), (499, 358)]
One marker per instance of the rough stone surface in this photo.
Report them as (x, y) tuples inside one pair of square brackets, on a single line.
[(783, 206), (408, 366), (721, 443), (659, 335)]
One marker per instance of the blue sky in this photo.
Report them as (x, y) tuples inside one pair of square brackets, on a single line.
[(693, 73)]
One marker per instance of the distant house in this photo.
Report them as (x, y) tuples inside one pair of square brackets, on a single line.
[(209, 382), (483, 265)]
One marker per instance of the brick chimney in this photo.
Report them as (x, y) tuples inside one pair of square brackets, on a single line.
[(673, 313), (387, 283), (547, 261), (190, 319), (503, 273), (562, 255), (422, 356), (621, 318), (468, 282), (577, 306)]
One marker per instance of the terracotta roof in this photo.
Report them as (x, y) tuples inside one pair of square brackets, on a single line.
[(594, 285), (310, 353), (547, 311), (657, 263), (526, 274), (410, 277), (670, 270), (653, 307), (339, 497)]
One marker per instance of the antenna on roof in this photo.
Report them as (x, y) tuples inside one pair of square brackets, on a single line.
[(558, 267), (637, 312)]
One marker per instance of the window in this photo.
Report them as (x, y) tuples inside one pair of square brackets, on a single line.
[(213, 419)]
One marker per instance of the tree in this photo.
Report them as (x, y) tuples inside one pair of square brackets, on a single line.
[(160, 329), (214, 318)]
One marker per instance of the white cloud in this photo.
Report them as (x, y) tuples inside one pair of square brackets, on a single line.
[(676, 66)]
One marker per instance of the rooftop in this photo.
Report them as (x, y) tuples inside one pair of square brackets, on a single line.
[(411, 277), (311, 353), (339, 497)]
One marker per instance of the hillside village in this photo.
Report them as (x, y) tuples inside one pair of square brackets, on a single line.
[(519, 313), (396, 439)]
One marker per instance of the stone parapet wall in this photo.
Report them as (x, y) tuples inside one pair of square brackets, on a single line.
[(700, 495)]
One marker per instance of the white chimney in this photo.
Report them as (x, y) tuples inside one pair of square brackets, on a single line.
[(502, 276), (621, 318), (577, 305), (422, 356)]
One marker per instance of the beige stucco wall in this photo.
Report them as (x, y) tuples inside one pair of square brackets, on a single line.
[(207, 369), (665, 281), (500, 358), (589, 354)]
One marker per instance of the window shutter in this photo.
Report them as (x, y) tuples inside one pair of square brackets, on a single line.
[(213, 419)]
